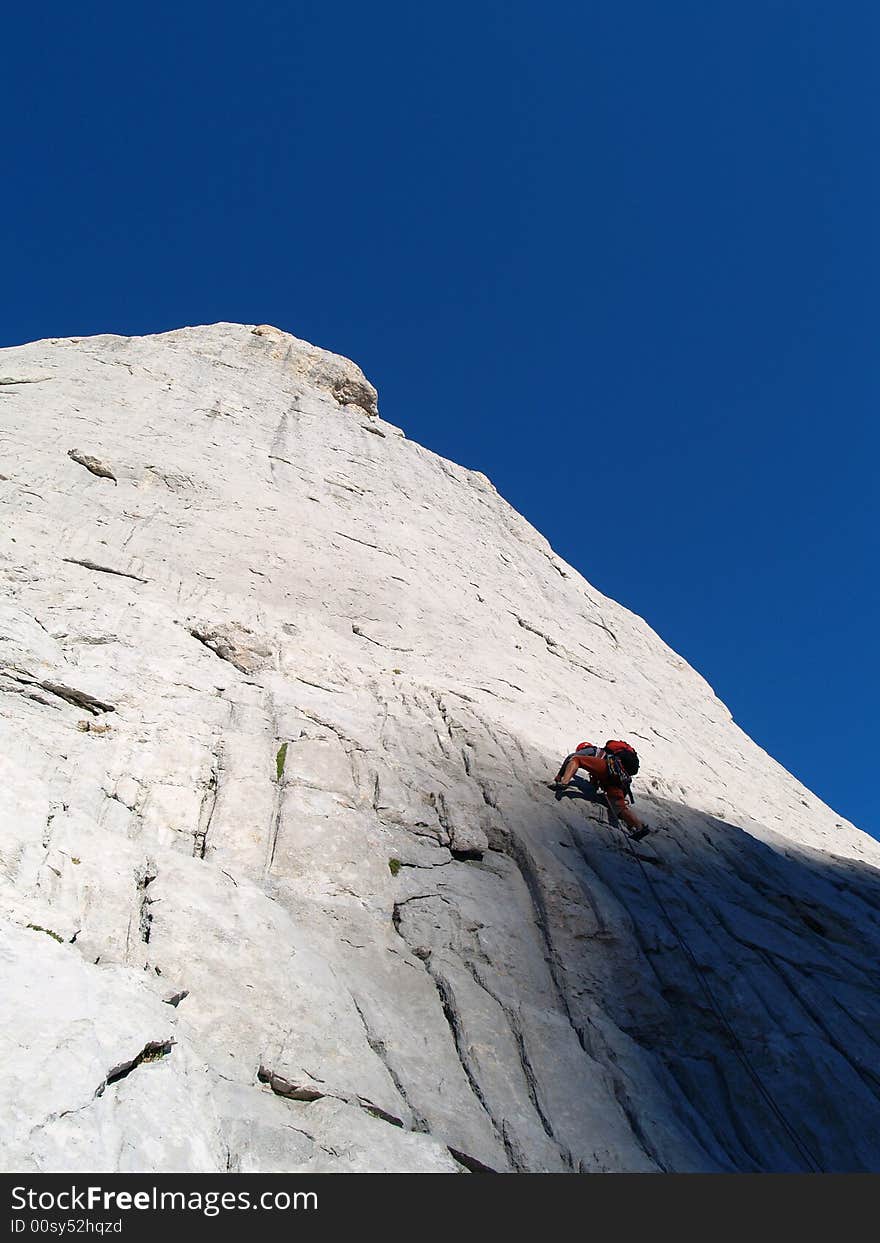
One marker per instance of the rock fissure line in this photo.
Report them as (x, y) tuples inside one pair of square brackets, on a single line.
[(556, 649), (306, 1093), (216, 646), (739, 1050), (452, 1018), (153, 1051), (379, 1047), (208, 804), (471, 1164), (274, 828), (867, 1074), (389, 647), (103, 569), (348, 743), (144, 878), (79, 699), (364, 543), (531, 1080), (20, 689), (519, 857)]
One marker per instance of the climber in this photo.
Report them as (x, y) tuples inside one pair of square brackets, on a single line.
[(611, 769)]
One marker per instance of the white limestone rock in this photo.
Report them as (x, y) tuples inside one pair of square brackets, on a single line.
[(281, 882)]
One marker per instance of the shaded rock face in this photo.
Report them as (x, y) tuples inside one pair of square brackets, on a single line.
[(282, 886)]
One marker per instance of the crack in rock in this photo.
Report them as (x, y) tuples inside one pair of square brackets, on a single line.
[(103, 569), (531, 1080), (530, 876), (233, 644), (378, 1046), (144, 877), (25, 694), (331, 690), (153, 1051), (305, 1092), (388, 646), (452, 1018), (556, 649), (349, 487), (470, 1163), (80, 699), (364, 543), (208, 806), (348, 743)]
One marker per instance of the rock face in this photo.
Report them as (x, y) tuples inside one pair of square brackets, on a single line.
[(283, 887)]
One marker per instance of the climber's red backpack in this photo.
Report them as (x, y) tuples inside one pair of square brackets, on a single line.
[(625, 753)]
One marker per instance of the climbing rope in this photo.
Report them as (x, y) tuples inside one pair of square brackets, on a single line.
[(735, 1041)]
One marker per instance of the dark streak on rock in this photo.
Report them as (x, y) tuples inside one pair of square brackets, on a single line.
[(80, 699), (470, 1163), (153, 1051), (103, 569)]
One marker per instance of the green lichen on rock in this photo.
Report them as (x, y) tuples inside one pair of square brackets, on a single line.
[(48, 932), (394, 866), (279, 760), (155, 1053)]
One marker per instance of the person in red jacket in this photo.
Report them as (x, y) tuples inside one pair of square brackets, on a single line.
[(611, 769)]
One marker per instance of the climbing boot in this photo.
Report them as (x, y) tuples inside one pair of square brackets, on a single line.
[(638, 834)]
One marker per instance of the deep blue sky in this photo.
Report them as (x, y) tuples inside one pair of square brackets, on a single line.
[(621, 256)]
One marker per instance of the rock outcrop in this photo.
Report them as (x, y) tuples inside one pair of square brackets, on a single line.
[(282, 885)]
